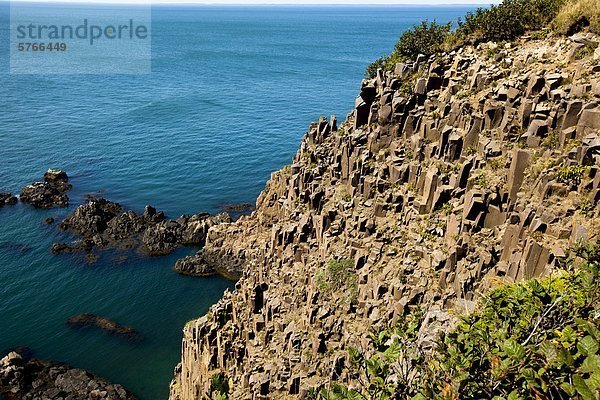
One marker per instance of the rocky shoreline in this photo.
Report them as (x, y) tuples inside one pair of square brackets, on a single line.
[(102, 224), (31, 379)]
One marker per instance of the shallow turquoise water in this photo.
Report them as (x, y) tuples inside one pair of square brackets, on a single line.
[(231, 93)]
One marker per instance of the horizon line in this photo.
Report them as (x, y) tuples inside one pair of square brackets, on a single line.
[(417, 3)]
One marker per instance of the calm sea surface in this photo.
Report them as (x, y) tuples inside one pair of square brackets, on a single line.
[(231, 92)]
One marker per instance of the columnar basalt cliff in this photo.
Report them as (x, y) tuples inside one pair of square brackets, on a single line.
[(452, 173)]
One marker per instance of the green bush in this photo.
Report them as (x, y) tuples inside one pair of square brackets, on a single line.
[(539, 339), (505, 21), (508, 20), (571, 174), (425, 38), (219, 385)]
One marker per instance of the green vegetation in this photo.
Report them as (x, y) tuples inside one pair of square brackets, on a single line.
[(481, 179), (219, 385), (338, 276), (571, 174), (551, 141), (506, 21), (533, 340), (426, 38), (503, 22)]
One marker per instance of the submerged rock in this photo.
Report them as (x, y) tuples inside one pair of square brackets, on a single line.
[(15, 247), (50, 193), (7, 199), (21, 378), (106, 324)]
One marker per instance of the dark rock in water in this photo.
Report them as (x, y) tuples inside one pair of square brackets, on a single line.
[(108, 325), (195, 228), (49, 221), (62, 248), (106, 225), (50, 193), (15, 247), (37, 379), (7, 199), (151, 214), (91, 218), (161, 239), (193, 266), (56, 176)]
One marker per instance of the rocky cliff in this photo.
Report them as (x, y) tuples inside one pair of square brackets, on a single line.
[(452, 174)]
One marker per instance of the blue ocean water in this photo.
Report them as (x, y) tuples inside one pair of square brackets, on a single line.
[(231, 92)]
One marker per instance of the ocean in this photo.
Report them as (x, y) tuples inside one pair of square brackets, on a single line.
[(231, 92)]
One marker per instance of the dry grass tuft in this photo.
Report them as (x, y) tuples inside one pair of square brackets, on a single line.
[(576, 15)]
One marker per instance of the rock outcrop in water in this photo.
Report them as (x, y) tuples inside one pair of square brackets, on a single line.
[(452, 173), (7, 199), (49, 193), (22, 379), (105, 324), (102, 223)]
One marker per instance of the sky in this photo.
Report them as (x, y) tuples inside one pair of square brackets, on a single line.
[(282, 2)]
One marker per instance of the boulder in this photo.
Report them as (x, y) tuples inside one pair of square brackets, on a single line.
[(193, 266)]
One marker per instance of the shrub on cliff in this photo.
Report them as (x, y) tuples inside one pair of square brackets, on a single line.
[(425, 38), (505, 21), (539, 339)]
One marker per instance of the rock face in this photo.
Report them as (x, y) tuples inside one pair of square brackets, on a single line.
[(108, 325), (49, 193), (7, 199), (22, 379), (102, 223), (452, 173)]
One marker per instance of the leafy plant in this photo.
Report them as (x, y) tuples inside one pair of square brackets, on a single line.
[(571, 174), (219, 386), (539, 339)]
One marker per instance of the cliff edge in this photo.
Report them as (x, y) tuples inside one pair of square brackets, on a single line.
[(454, 173)]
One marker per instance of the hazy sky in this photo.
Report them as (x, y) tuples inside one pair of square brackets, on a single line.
[(397, 2)]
